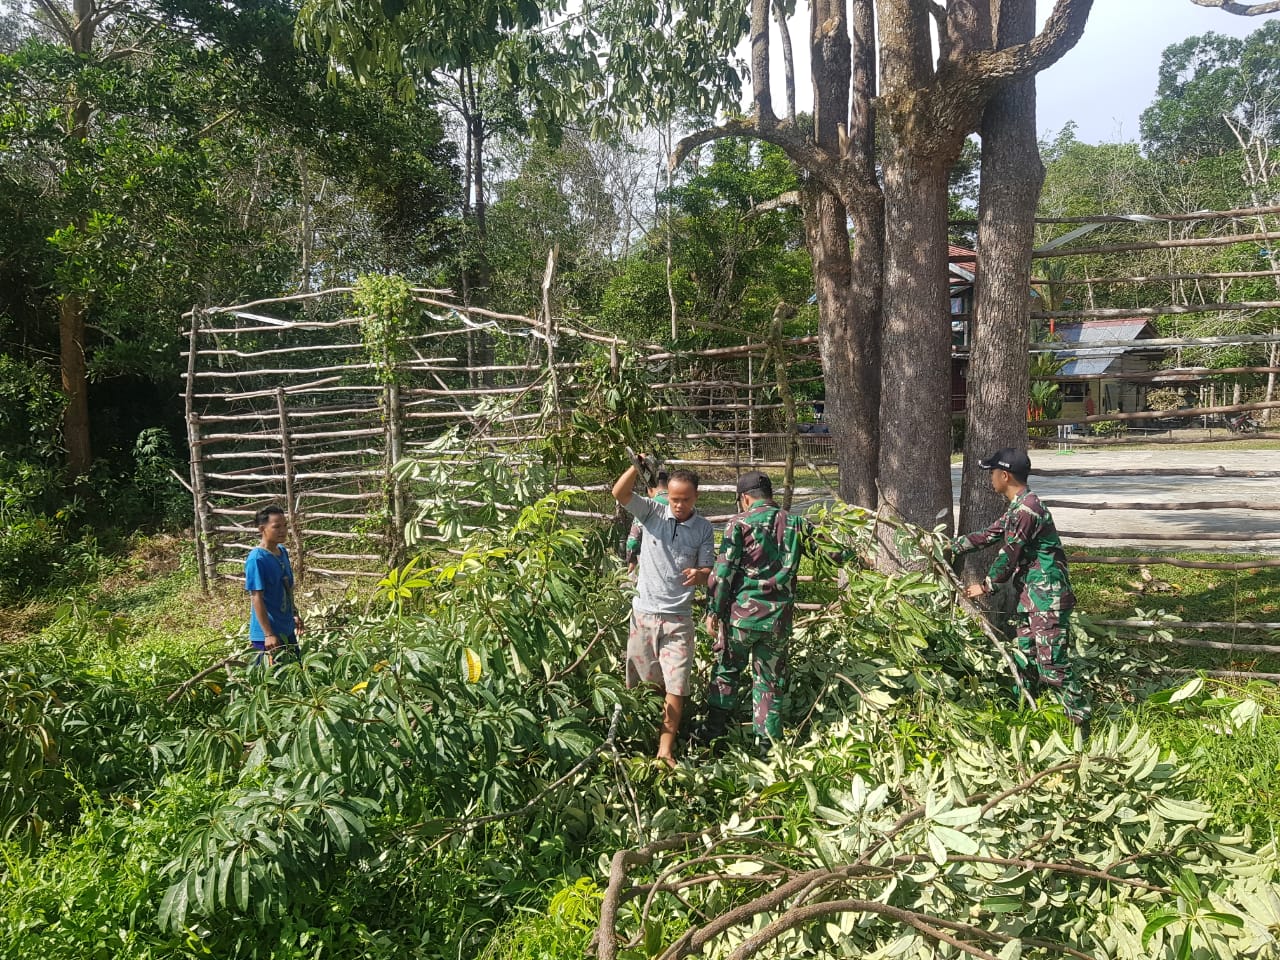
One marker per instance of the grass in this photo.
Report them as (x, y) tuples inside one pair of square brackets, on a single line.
[(150, 594)]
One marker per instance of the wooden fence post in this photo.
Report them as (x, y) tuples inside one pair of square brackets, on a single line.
[(394, 488), (776, 349), (292, 504), (195, 463)]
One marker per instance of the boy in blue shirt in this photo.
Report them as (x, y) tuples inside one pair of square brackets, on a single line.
[(274, 623)]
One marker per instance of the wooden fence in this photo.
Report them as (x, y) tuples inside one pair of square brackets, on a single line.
[(284, 403)]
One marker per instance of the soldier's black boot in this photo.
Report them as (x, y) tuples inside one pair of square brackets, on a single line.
[(763, 746), (711, 729)]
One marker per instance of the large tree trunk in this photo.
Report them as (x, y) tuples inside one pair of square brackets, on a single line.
[(849, 343), (915, 407), (1012, 173)]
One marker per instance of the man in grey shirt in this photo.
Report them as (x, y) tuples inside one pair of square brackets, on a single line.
[(676, 554)]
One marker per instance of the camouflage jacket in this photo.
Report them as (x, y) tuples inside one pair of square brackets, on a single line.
[(753, 584), (637, 533), (1030, 557)]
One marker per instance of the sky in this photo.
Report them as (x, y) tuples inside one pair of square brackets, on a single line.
[(1109, 78), (1103, 84)]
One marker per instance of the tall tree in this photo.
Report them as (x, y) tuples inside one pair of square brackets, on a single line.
[(891, 304), (207, 164), (1214, 90), (1012, 174)]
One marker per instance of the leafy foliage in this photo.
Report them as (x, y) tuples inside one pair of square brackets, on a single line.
[(387, 316), (434, 779)]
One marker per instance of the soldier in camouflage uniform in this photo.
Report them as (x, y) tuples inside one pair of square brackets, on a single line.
[(1032, 560), (752, 599)]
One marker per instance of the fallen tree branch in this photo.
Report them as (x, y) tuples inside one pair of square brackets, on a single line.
[(231, 661)]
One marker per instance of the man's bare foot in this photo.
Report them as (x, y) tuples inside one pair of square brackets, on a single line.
[(670, 761)]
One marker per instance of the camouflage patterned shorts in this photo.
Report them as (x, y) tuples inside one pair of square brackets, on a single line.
[(660, 652)]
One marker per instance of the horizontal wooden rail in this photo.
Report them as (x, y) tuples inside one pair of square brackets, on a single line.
[(1225, 240), (1240, 213), (1191, 624), (1189, 538), (1152, 344), (1156, 278), (1169, 373), (1169, 561), (1170, 309), (336, 475), (1136, 440), (1174, 414), (1159, 504)]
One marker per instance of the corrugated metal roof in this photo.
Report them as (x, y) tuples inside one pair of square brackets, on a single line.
[(1101, 330), (1087, 365)]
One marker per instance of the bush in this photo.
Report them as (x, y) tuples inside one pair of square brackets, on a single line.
[(1108, 428)]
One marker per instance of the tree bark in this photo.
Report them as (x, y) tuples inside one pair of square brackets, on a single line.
[(845, 368), (915, 407), (998, 387)]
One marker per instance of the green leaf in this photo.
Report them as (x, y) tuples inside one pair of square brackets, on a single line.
[(1230, 919), (937, 848), (1158, 921), (955, 840)]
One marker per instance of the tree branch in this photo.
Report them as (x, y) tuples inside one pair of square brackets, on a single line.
[(788, 59), (1061, 32), (801, 915), (231, 661), (814, 160), (1241, 9), (783, 200), (1045, 865), (761, 93), (60, 23), (605, 939)]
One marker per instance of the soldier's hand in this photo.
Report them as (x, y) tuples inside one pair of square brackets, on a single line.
[(975, 590), (712, 624)]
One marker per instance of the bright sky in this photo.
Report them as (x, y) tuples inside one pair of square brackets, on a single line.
[(1109, 78), (1103, 84)]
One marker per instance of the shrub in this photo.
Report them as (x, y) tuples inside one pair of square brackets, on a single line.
[(1108, 428)]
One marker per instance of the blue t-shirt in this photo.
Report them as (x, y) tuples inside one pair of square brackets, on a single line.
[(273, 575)]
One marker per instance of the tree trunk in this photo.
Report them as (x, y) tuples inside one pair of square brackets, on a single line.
[(998, 387), (75, 384), (915, 404), (848, 292), (72, 306)]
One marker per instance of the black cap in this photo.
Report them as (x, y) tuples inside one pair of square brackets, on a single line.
[(1010, 458), (755, 480)]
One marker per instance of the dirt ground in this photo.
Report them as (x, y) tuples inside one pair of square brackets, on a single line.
[(1195, 529)]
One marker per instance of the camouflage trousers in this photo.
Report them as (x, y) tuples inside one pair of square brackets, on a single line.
[(1044, 661), (767, 655)]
